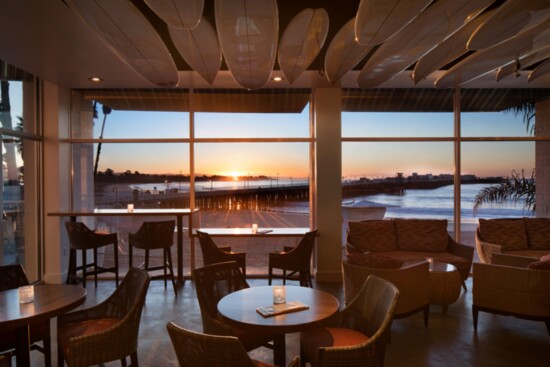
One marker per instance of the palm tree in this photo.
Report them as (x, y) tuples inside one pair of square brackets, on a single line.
[(516, 187)]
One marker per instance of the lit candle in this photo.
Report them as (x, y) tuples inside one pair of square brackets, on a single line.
[(279, 294), (26, 294), (130, 208), (254, 228), (430, 261)]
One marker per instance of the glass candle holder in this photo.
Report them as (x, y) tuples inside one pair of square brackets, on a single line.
[(279, 294), (254, 228), (130, 208), (430, 261), (26, 294)]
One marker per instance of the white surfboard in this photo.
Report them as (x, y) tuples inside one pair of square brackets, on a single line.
[(430, 28), (200, 48), (529, 60), (302, 41), (248, 31), (540, 70), (130, 36), (511, 18), (343, 53), (378, 20), (502, 54), (450, 49), (181, 14)]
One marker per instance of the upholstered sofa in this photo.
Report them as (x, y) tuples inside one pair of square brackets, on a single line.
[(401, 240), (527, 237), (512, 285)]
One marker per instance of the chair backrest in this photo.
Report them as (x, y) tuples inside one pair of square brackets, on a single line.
[(209, 249), (12, 276), (215, 281), (154, 235), (304, 250), (80, 236), (371, 312), (202, 350)]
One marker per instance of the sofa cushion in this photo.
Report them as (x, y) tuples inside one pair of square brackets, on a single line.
[(373, 235), (538, 233), (545, 258), (461, 263), (508, 233), (422, 234), (539, 265), (374, 260)]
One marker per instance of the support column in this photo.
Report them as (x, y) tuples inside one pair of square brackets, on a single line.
[(327, 114)]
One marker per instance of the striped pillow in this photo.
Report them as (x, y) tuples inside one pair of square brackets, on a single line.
[(373, 235), (538, 233), (422, 234), (508, 233)]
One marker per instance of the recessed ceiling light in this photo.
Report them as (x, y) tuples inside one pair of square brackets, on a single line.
[(277, 79), (95, 79)]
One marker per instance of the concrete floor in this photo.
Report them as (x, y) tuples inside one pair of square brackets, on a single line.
[(449, 340)]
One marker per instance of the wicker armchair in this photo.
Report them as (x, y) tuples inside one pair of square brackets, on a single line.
[(212, 283), (202, 350), (11, 277), (212, 254), (507, 287), (83, 238), (155, 236), (297, 260), (412, 281), (360, 331), (107, 331)]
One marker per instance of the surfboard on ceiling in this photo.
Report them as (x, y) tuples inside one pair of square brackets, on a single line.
[(502, 54), (302, 41), (430, 28), (378, 20), (528, 61), (199, 48), (448, 50), (180, 14), (248, 31), (343, 53), (131, 37), (511, 18), (539, 71)]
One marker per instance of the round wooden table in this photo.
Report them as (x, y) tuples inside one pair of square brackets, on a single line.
[(445, 283), (238, 309), (50, 300)]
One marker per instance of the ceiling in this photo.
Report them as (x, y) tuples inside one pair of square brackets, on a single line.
[(47, 39)]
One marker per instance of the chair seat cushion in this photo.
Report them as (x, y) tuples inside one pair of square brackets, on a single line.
[(74, 329), (311, 341)]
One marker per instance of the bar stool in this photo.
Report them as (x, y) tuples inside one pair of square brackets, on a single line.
[(83, 238), (154, 236)]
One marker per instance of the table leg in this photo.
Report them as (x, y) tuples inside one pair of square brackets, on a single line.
[(279, 350), (179, 220), (71, 273), (22, 349)]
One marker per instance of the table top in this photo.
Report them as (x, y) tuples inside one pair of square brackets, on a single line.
[(247, 232), (50, 300), (238, 309), (123, 212)]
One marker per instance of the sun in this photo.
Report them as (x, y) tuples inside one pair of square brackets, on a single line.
[(235, 176)]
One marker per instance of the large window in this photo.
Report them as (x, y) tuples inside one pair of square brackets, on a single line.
[(20, 242)]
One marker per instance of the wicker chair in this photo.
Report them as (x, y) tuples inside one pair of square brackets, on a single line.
[(107, 331), (212, 283), (507, 287), (412, 280), (297, 260), (83, 238), (155, 236), (361, 330), (203, 350), (212, 254), (11, 277)]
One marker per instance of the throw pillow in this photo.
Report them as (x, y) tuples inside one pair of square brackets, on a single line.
[(539, 265), (372, 260), (422, 234), (545, 258), (373, 235), (508, 233), (538, 233)]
